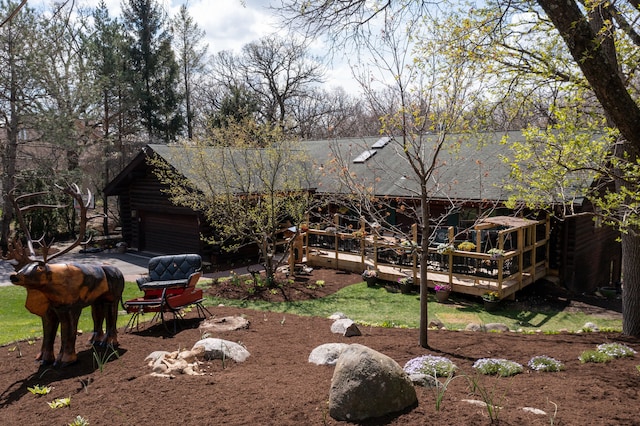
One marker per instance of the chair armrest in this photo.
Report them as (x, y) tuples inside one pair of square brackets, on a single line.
[(193, 279), (142, 281)]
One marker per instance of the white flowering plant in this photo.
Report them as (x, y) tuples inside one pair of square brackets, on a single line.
[(370, 273), (445, 248), (616, 350), (497, 366), (594, 356), (431, 365), (545, 363), (405, 281), (496, 253)]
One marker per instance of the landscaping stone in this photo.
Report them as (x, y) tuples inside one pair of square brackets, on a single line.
[(492, 326), (222, 349), (436, 324), (421, 379), (590, 327), (496, 326), (327, 354), (170, 364), (346, 327), (473, 327), (230, 323), (368, 384)]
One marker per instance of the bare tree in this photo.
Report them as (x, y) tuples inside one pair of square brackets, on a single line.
[(277, 72), (426, 87), (333, 114)]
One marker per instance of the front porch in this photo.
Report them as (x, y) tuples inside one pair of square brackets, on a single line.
[(518, 257)]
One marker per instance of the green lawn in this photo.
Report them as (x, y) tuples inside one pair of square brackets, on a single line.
[(16, 323), (377, 306), (366, 305)]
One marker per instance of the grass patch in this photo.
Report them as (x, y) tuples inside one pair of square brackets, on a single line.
[(366, 305), (20, 324), (376, 305), (458, 318)]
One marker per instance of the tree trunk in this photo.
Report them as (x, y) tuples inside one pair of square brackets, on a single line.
[(424, 261), (601, 69), (9, 155), (631, 284)]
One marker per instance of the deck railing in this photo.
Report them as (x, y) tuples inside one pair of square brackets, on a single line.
[(394, 257)]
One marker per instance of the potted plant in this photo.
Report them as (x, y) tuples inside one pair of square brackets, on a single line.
[(491, 300), (496, 253), (370, 276), (466, 246), (445, 248), (442, 292), (405, 285)]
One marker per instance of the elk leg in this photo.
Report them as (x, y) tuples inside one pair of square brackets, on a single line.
[(98, 314), (50, 324), (68, 330), (111, 337)]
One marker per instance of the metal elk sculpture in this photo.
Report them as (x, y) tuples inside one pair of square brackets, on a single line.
[(57, 292)]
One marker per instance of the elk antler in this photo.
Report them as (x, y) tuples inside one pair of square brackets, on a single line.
[(74, 191), (17, 253), (20, 254)]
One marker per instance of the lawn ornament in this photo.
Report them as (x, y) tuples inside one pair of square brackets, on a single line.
[(58, 292)]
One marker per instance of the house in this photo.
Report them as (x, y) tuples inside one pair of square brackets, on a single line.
[(468, 182)]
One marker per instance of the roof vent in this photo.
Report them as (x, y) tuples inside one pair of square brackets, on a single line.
[(380, 143), (365, 156)]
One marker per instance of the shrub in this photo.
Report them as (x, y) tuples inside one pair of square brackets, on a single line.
[(616, 350), (594, 356), (431, 365), (545, 363), (497, 366)]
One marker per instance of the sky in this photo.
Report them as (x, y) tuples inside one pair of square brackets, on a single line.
[(230, 24)]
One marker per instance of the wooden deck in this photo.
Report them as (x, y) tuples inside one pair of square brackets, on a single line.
[(460, 283), (512, 267)]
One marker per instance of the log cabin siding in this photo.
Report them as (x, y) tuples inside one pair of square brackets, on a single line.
[(156, 225), (590, 255)]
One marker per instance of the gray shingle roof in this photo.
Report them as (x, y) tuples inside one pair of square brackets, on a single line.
[(469, 167)]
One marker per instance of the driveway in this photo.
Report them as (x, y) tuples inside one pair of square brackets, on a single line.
[(132, 265)]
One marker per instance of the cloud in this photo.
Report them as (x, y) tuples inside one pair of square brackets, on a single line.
[(230, 24)]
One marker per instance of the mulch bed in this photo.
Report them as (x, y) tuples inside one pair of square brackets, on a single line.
[(278, 386)]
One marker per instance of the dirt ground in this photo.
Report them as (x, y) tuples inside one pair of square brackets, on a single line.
[(278, 386)]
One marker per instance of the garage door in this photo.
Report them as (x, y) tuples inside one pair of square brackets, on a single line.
[(169, 233)]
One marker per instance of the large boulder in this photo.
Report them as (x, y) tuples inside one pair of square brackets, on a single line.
[(222, 349), (367, 384)]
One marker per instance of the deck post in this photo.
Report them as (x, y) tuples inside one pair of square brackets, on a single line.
[(533, 242), (336, 238), (414, 254), (500, 262), (375, 251), (451, 238), (363, 243), (522, 244)]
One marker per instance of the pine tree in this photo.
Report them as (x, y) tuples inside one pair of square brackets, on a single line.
[(154, 72)]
